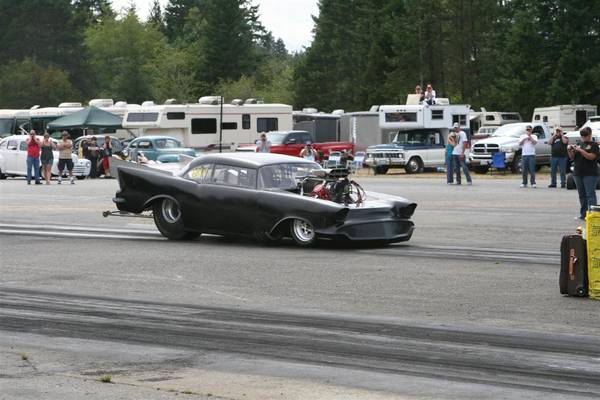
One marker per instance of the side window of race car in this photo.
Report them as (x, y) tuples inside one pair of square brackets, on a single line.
[(201, 173), (234, 176)]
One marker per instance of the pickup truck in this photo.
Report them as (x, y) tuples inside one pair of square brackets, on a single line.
[(412, 150), (292, 142), (506, 139)]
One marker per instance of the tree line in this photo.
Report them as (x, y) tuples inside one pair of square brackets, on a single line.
[(509, 55)]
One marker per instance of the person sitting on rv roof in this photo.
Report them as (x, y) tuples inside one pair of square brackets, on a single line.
[(419, 91), (430, 95), (263, 145)]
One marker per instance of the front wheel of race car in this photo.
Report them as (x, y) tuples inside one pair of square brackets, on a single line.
[(168, 220), (303, 233)]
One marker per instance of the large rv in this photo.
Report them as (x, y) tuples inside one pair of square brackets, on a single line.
[(361, 128), (197, 124), (492, 119), (568, 117), (14, 122)]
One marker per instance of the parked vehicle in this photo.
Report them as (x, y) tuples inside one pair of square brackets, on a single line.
[(412, 150), (291, 143), (157, 148), (13, 159), (506, 140), (261, 195), (568, 117), (323, 127), (209, 125)]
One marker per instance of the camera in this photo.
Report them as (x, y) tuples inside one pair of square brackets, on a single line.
[(573, 147)]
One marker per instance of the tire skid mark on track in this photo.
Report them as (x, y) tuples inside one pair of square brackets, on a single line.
[(527, 360), (403, 250)]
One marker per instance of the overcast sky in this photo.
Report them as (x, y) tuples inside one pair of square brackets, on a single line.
[(287, 19)]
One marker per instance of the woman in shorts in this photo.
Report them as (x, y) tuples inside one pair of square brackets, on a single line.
[(47, 157)]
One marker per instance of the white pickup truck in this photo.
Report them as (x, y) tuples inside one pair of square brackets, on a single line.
[(506, 139)]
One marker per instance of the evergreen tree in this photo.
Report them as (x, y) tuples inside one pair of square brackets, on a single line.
[(156, 18), (176, 14)]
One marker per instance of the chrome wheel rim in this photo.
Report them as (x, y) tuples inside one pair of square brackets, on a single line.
[(303, 230), (170, 211), (413, 165)]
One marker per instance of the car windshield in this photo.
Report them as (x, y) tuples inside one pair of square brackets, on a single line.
[(424, 137), (509, 131), (283, 176), (167, 144), (276, 138)]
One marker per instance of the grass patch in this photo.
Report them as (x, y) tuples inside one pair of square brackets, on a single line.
[(106, 379)]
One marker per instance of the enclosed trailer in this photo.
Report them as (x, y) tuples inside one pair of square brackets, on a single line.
[(568, 117)]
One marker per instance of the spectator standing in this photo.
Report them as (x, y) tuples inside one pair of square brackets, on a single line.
[(527, 142), (92, 154), (33, 158), (419, 91), (449, 164), (585, 157), (429, 95), (106, 155), (263, 145), (47, 157), (308, 152), (65, 157), (458, 155), (559, 142)]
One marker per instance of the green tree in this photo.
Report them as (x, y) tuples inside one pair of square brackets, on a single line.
[(176, 16), (24, 84), (123, 57)]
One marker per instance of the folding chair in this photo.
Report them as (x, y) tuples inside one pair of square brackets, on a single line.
[(499, 161)]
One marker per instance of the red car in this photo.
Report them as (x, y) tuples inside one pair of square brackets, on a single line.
[(291, 143)]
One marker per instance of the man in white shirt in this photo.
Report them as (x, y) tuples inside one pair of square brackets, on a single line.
[(458, 155), (527, 143)]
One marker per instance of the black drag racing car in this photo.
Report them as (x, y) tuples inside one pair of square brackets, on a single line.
[(265, 196)]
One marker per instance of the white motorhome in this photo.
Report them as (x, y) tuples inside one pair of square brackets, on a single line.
[(14, 122), (568, 117), (196, 125)]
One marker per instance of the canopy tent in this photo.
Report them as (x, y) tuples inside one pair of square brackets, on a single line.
[(89, 117)]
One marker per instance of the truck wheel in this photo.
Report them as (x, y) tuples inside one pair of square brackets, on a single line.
[(414, 166), (516, 166), (381, 169), (481, 169), (570, 182)]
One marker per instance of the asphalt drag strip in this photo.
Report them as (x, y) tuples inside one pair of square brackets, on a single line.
[(525, 360), (402, 250)]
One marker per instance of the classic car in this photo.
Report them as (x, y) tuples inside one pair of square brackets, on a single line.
[(13, 159), (157, 148), (265, 196)]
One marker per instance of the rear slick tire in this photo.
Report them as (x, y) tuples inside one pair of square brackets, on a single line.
[(169, 221), (303, 233)]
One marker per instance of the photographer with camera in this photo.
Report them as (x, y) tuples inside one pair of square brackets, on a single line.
[(559, 142), (585, 157), (527, 143)]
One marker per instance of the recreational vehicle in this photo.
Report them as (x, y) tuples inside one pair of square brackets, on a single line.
[(361, 128), (14, 122), (568, 117), (197, 125)]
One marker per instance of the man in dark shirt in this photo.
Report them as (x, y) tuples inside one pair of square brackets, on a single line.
[(585, 156), (559, 158)]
